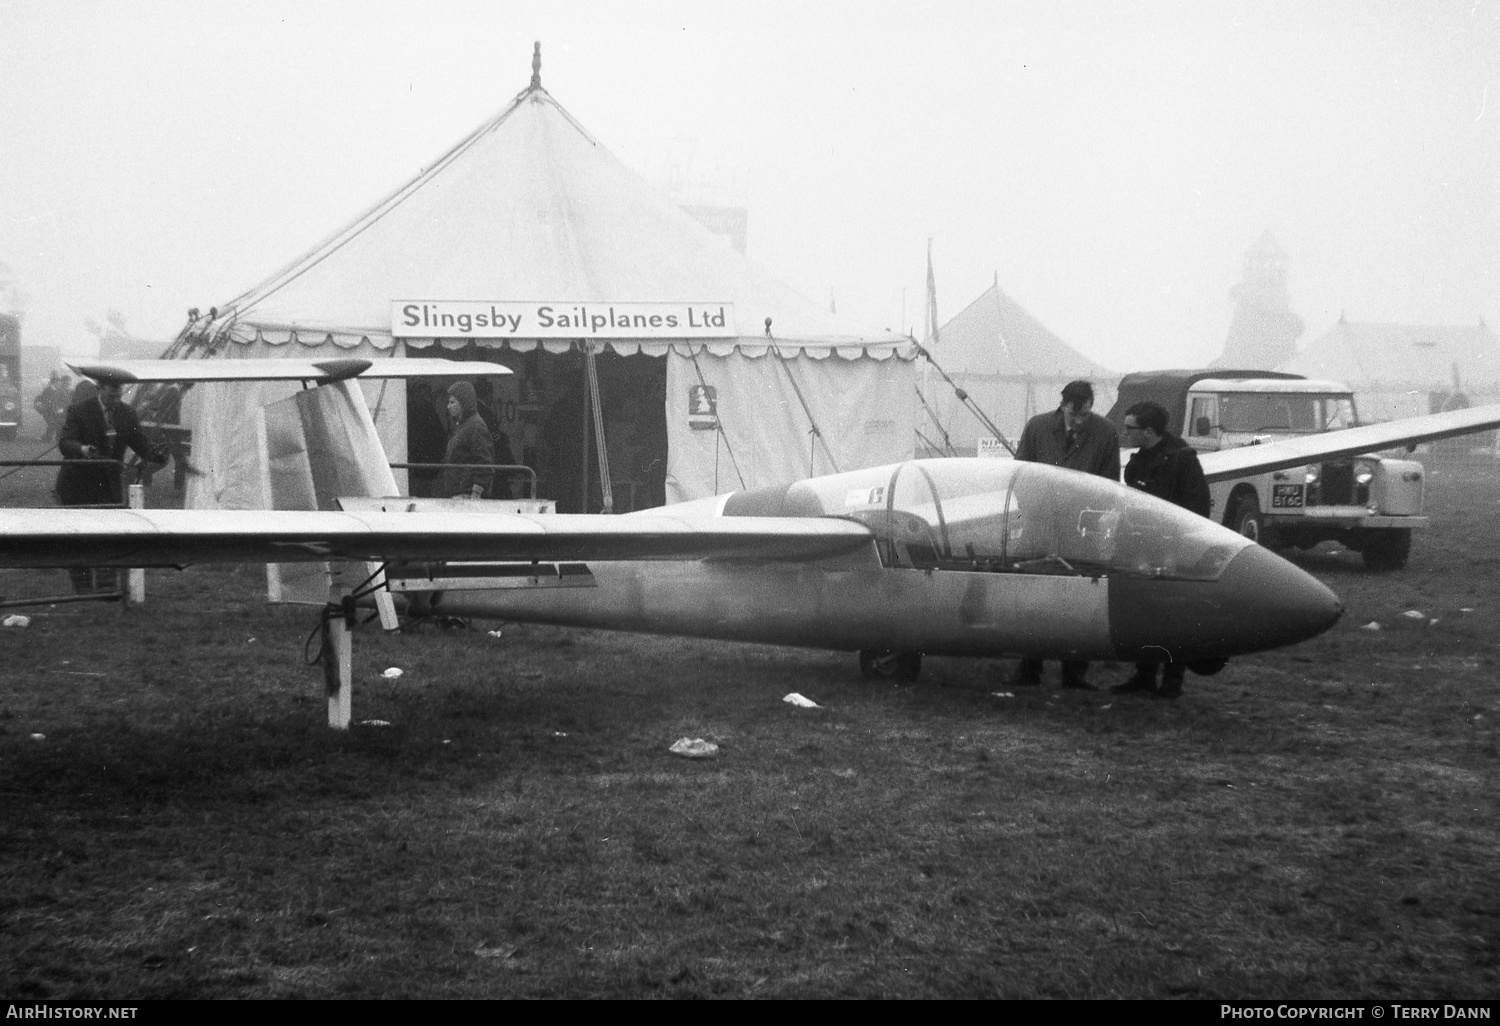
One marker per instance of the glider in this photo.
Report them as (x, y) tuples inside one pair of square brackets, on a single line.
[(949, 556)]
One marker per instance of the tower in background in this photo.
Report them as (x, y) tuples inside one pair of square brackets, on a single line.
[(1264, 330)]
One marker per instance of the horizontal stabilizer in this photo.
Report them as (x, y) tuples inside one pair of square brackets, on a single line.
[(1295, 452), (160, 538), (320, 371)]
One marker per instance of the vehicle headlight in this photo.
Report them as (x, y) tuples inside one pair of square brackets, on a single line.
[(1314, 472), (1364, 472)]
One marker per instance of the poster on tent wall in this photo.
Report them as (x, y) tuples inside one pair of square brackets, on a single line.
[(737, 422)]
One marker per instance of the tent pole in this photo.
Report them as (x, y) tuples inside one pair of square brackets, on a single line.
[(583, 494), (606, 490)]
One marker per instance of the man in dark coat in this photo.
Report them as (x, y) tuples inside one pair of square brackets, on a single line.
[(1076, 437), (469, 443), (99, 426), (52, 405), (1167, 467)]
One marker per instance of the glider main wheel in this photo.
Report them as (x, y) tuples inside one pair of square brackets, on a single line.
[(1248, 520), (884, 664), (1386, 550)]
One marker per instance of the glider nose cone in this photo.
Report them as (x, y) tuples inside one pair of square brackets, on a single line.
[(1273, 602), (1260, 601)]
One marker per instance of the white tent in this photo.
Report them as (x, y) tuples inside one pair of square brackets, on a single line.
[(529, 212), (1405, 370), (1011, 366)]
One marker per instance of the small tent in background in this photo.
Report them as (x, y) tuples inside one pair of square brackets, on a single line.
[(1405, 370), (531, 212), (1009, 365)]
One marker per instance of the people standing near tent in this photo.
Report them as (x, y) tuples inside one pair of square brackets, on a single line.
[(99, 426), (52, 405), (1167, 467), (43, 404), (1075, 437), (469, 443)]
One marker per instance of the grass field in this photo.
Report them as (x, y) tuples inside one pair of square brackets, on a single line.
[(1316, 822)]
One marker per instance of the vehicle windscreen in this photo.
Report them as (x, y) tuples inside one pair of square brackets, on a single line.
[(1253, 412), (1001, 516)]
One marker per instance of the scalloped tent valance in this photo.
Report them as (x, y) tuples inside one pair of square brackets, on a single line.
[(381, 341)]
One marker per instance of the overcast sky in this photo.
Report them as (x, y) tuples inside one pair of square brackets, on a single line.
[(1110, 162)]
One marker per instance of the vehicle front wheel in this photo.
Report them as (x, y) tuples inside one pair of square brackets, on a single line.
[(1386, 550), (884, 664), (1247, 519)]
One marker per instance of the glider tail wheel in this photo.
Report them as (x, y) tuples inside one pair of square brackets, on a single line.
[(884, 664)]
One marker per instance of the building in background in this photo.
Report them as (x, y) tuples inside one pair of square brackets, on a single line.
[(1405, 370)]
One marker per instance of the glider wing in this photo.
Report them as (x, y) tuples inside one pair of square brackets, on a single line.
[(176, 538), (319, 371), (1295, 452)]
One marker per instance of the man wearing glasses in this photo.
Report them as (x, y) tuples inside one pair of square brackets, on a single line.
[(1167, 467), (1075, 437)]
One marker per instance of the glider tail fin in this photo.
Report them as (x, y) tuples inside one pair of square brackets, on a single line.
[(321, 444)]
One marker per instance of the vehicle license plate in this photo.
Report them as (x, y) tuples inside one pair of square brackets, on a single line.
[(1286, 496)]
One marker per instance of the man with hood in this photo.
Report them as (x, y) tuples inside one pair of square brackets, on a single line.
[(469, 442), (1167, 467)]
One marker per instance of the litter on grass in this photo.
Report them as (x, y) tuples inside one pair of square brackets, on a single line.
[(374, 723), (1413, 614), (1371, 626), (16, 620), (496, 633), (1003, 694), (800, 702), (694, 748), (394, 673)]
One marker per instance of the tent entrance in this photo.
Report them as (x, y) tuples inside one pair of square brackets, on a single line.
[(632, 400), (540, 416)]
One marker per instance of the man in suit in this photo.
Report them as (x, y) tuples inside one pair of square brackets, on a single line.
[(1075, 437), (99, 427)]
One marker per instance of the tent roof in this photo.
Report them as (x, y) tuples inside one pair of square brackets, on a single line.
[(531, 207), (994, 336), (1403, 356)]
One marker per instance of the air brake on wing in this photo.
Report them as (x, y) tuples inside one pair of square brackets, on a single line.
[(403, 578)]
